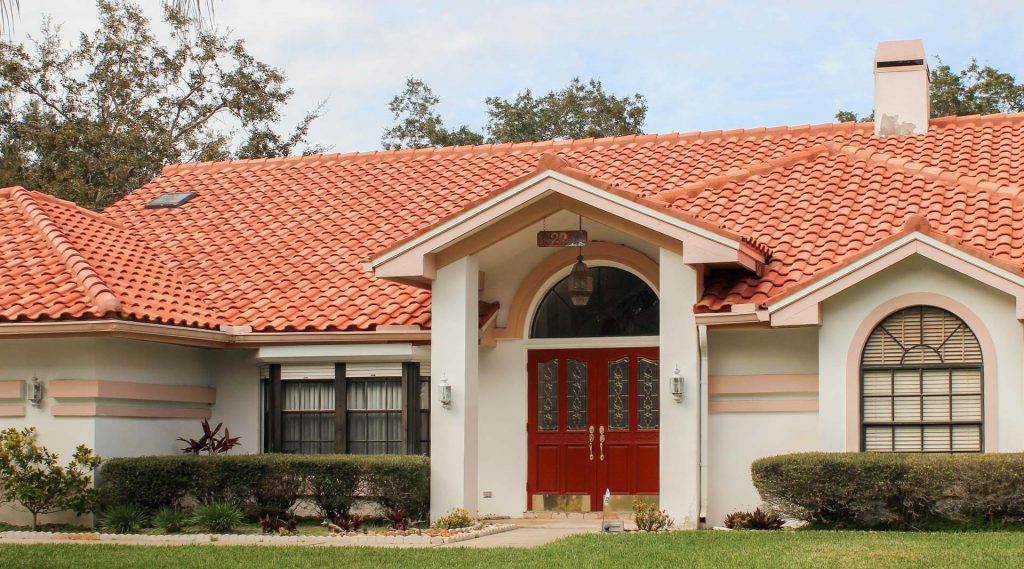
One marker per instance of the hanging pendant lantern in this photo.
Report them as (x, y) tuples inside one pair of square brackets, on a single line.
[(581, 283)]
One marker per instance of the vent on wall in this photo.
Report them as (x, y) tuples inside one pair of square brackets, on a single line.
[(171, 199)]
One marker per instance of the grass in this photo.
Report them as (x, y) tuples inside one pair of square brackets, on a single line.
[(306, 526), (869, 550)]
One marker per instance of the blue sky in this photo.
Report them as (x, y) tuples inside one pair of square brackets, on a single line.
[(701, 65)]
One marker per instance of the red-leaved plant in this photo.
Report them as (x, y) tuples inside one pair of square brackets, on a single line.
[(352, 522), (209, 443), (398, 520)]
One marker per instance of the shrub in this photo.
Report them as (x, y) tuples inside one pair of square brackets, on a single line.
[(332, 482), (757, 520), (454, 519), (154, 482), (399, 482), (277, 488), (649, 518), (216, 518), (893, 490), (170, 520), (124, 519), (31, 477), (737, 520), (269, 484)]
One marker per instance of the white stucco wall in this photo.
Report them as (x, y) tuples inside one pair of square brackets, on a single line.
[(845, 312), (146, 362), (736, 440), (502, 433), (235, 375), (762, 351), (115, 359)]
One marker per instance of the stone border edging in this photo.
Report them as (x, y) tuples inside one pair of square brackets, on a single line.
[(366, 540)]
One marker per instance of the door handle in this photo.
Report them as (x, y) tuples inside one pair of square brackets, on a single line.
[(601, 430), (590, 442)]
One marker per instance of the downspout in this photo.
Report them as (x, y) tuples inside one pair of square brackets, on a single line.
[(702, 339)]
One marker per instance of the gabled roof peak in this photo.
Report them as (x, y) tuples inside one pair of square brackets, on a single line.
[(103, 299)]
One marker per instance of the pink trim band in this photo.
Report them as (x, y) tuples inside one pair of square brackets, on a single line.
[(94, 410), (768, 383), (103, 389), (12, 389), (764, 406), (13, 410)]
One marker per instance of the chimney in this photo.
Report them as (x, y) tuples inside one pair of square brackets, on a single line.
[(902, 102)]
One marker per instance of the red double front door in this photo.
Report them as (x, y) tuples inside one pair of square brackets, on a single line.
[(593, 423)]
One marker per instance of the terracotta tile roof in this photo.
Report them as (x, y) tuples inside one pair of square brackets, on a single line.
[(281, 244), (60, 261)]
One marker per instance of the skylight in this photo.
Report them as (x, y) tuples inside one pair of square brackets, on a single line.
[(170, 199)]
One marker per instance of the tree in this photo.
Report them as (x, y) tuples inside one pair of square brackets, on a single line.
[(580, 110), (417, 124), (974, 90), (8, 9), (31, 477), (94, 121)]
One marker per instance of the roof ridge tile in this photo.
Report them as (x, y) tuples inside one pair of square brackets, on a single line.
[(620, 140), (925, 171), (102, 297), (718, 181)]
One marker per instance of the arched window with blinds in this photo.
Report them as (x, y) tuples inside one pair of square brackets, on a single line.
[(922, 384)]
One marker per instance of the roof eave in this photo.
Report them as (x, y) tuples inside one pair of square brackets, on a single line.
[(802, 306), (413, 260)]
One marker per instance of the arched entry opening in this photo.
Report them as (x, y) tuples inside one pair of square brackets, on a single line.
[(622, 304), (593, 423)]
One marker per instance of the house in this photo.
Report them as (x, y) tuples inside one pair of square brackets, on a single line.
[(837, 287)]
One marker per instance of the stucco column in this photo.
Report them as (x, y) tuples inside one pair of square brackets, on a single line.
[(454, 354), (680, 420)]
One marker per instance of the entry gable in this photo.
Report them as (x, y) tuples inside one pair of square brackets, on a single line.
[(558, 185), (801, 306)]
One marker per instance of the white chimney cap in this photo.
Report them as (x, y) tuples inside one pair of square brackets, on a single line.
[(899, 54), (902, 91)]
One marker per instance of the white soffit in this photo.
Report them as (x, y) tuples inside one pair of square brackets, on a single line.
[(400, 352)]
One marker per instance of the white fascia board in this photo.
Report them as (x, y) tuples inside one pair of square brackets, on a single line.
[(660, 216), (344, 353), (511, 193), (895, 246)]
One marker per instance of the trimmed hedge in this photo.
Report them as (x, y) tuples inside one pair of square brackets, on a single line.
[(262, 484), (895, 491)]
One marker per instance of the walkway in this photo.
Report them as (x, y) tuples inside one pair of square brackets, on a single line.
[(532, 533)]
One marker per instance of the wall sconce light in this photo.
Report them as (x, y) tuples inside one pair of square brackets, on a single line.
[(444, 393), (677, 384), (35, 392)]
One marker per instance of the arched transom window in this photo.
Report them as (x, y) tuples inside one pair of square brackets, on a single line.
[(621, 305), (921, 384)]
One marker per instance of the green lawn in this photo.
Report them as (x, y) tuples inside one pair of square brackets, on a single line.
[(686, 549)]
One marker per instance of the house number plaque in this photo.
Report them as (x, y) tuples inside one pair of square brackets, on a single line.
[(570, 238)]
